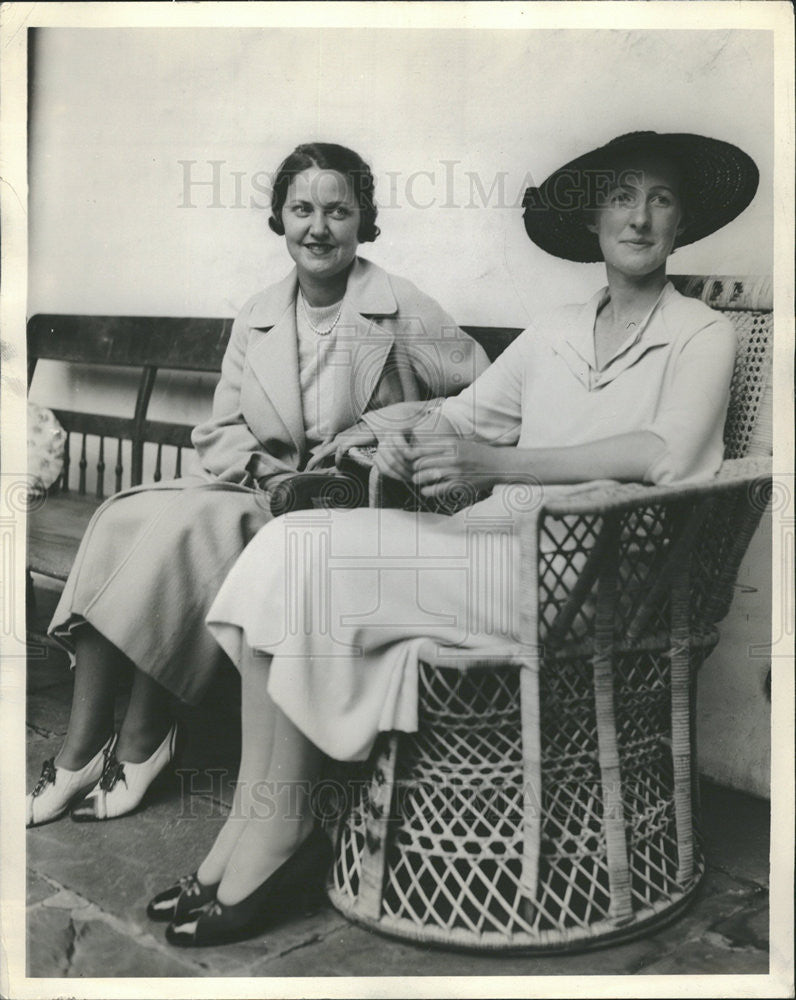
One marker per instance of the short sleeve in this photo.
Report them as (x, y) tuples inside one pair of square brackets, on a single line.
[(491, 408), (693, 406)]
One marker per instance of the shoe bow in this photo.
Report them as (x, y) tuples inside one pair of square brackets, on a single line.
[(47, 777), (112, 772)]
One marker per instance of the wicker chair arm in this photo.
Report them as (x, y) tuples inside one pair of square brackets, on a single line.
[(710, 527), (753, 473)]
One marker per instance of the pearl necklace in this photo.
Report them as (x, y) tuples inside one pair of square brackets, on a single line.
[(313, 327)]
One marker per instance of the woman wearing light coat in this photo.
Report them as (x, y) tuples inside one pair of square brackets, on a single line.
[(310, 363)]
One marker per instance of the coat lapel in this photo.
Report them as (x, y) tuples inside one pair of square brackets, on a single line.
[(273, 356), (362, 346), (359, 355), (360, 352)]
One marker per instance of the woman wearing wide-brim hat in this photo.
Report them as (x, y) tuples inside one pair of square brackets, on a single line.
[(631, 386)]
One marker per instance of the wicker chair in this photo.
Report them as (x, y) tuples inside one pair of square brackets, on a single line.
[(557, 809)]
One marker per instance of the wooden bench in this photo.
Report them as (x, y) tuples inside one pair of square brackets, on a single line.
[(151, 345), (146, 346)]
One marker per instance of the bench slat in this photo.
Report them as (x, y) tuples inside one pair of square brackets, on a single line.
[(154, 431), (77, 422), (183, 344), (161, 432), (55, 530), (493, 339), (130, 341)]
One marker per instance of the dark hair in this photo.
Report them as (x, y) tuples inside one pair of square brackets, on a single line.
[(327, 156)]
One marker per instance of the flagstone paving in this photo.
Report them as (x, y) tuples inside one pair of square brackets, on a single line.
[(88, 884)]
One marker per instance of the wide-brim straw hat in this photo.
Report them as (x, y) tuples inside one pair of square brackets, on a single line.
[(719, 181)]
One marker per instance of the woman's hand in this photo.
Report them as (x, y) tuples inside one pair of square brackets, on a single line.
[(442, 465), (393, 457), (357, 436), (393, 423)]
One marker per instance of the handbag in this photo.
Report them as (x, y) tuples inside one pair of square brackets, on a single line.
[(321, 489)]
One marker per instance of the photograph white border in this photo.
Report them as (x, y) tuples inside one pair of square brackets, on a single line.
[(16, 19)]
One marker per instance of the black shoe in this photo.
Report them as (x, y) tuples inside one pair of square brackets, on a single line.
[(181, 899), (219, 923)]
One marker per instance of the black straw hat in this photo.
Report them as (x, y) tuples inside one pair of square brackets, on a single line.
[(719, 181)]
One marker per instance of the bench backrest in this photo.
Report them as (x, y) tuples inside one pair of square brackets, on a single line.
[(142, 343), (148, 344)]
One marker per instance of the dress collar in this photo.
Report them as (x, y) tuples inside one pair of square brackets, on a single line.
[(576, 343)]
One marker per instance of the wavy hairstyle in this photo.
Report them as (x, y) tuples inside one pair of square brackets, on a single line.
[(327, 156)]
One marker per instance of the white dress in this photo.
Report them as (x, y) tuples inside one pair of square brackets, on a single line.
[(340, 602)]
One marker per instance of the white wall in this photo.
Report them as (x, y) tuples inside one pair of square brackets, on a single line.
[(733, 709), (114, 112)]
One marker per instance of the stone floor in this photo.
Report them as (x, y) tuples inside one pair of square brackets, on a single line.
[(88, 885)]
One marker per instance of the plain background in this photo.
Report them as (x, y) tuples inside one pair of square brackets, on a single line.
[(113, 112)]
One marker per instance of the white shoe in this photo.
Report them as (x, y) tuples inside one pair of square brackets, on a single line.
[(57, 788), (122, 785)]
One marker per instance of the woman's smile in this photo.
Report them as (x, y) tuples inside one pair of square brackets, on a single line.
[(319, 249), (321, 218), (639, 223)]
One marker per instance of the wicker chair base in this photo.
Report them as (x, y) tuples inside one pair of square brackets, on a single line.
[(446, 838), (599, 935)]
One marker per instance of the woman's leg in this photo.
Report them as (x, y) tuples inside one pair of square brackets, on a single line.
[(98, 664), (146, 721), (97, 669), (258, 724), (271, 813), (281, 817), (83, 760)]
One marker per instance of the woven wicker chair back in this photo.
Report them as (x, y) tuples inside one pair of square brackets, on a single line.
[(748, 302), (733, 518)]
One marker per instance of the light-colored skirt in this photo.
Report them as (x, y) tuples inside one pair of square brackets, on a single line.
[(340, 604), (149, 565)]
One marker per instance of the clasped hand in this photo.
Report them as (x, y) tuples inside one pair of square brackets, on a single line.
[(441, 464), (357, 436), (381, 424)]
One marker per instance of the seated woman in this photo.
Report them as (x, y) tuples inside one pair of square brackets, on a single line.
[(324, 615), (309, 363)]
